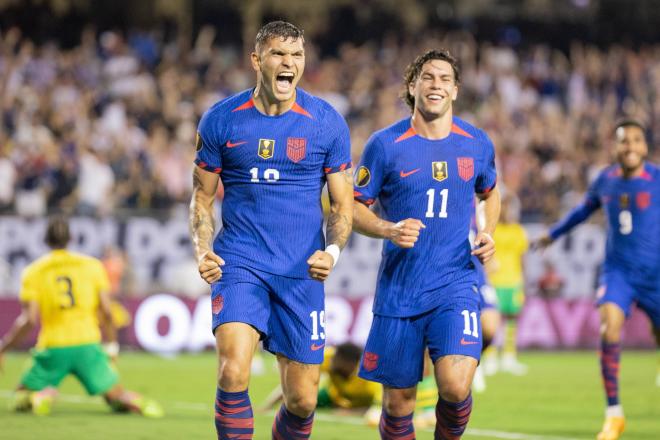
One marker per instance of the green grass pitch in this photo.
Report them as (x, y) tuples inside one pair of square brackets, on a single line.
[(560, 399)]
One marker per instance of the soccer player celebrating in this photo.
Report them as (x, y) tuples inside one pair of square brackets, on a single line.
[(65, 292), (425, 171), (275, 146), (629, 193)]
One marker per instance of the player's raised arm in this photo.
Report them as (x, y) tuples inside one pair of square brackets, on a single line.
[(577, 215), (202, 224), (490, 202)]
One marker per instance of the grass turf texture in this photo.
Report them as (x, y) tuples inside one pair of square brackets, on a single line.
[(561, 398)]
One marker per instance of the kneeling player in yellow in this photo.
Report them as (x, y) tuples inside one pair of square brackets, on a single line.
[(339, 386), (67, 293)]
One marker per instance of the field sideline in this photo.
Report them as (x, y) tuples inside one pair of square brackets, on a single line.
[(561, 399)]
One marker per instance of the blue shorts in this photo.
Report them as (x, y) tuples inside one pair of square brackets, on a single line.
[(394, 354), (616, 288), (287, 312)]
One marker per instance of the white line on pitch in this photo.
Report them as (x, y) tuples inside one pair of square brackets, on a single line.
[(322, 417)]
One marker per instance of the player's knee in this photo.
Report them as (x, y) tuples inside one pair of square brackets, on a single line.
[(302, 405), (610, 332), (232, 376), (399, 403), (455, 392)]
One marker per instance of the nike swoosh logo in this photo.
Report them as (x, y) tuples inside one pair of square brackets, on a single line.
[(464, 342), (236, 144), (317, 347), (404, 175)]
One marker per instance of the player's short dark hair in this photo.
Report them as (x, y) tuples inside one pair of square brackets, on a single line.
[(413, 70), (349, 351), (277, 29), (57, 232), (629, 122)]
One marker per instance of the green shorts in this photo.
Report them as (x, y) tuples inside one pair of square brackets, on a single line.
[(89, 363), (511, 299)]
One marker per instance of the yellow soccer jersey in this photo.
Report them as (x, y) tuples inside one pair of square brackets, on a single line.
[(353, 392), (66, 286), (510, 244)]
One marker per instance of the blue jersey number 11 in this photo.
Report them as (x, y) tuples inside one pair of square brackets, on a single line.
[(444, 195)]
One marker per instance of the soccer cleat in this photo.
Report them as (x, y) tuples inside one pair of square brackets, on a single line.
[(42, 401), (612, 428), (20, 401), (372, 416), (426, 419), (490, 365), (151, 409), (479, 380), (511, 365)]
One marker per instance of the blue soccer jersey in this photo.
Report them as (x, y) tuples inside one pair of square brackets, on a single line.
[(434, 181), (632, 209), (273, 169)]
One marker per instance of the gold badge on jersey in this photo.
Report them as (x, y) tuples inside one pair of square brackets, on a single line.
[(362, 177), (624, 201), (266, 148), (198, 142), (440, 171)]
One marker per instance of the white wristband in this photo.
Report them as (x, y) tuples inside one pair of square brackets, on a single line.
[(333, 250), (112, 349)]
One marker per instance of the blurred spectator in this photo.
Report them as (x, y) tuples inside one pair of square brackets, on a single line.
[(110, 124), (550, 283)]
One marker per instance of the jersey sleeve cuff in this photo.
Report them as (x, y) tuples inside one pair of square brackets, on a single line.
[(487, 189), (206, 167), (336, 169), (359, 197)]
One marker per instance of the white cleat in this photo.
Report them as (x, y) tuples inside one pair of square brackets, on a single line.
[(512, 366), (479, 381)]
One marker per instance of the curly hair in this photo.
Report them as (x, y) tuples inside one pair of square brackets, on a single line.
[(277, 29), (413, 70)]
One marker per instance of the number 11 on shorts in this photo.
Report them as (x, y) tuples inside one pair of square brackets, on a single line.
[(472, 330), (318, 320)]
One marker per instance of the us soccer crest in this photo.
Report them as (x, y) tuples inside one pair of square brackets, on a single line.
[(295, 148), (465, 167), (266, 148), (643, 199), (440, 171), (362, 177), (624, 201)]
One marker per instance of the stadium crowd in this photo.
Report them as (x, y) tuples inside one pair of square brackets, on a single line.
[(110, 124)]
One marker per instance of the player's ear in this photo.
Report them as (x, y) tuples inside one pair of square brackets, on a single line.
[(454, 93), (256, 62), (411, 88)]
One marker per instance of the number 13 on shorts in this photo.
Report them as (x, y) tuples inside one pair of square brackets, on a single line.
[(318, 325)]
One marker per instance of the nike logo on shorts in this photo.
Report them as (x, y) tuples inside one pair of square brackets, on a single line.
[(464, 342), (404, 174), (236, 144), (315, 347)]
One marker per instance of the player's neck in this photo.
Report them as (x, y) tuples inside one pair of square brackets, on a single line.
[(635, 172), (269, 105), (432, 127)]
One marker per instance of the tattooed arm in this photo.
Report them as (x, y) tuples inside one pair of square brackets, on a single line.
[(202, 224), (340, 221)]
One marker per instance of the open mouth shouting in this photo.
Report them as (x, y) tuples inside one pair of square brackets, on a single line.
[(284, 82)]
